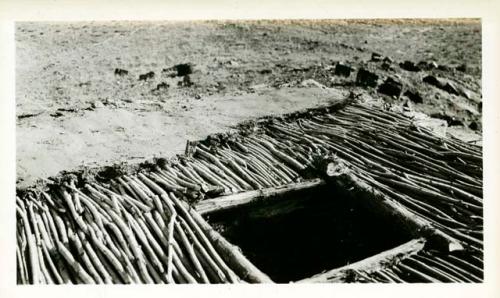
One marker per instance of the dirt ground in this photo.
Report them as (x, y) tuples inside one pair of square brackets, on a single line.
[(73, 111)]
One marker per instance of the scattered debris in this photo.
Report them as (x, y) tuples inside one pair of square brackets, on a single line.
[(184, 69), (69, 110), (232, 63), (179, 70), (445, 68), (427, 65), (450, 88), (433, 65), (186, 81), (220, 86), (146, 76), (414, 96), (342, 69), (162, 85), (462, 67), (110, 172), (474, 126), (22, 116), (162, 162), (407, 105), (391, 87), (366, 78), (376, 57), (434, 81), (464, 92), (57, 114), (444, 84), (409, 66), (97, 104), (121, 72), (387, 66), (388, 59)]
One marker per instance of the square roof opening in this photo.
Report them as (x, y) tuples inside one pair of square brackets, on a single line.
[(308, 232)]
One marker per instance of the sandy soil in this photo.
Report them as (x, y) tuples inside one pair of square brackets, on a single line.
[(73, 111)]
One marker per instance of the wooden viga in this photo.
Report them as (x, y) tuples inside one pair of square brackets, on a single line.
[(149, 226)]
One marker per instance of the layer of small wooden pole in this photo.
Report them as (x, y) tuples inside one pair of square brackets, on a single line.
[(138, 229), (425, 267), (101, 236), (438, 179)]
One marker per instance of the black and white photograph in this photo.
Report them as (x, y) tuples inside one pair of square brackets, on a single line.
[(249, 151), (258, 151)]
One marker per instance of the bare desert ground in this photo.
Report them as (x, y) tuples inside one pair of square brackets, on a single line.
[(75, 112)]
